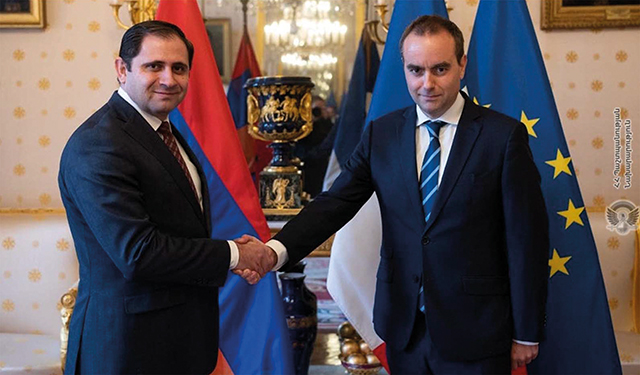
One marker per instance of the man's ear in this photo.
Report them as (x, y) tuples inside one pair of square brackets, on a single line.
[(121, 70), (463, 65)]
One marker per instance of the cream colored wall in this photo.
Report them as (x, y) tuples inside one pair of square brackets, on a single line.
[(51, 80)]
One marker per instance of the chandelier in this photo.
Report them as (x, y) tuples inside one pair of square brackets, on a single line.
[(308, 37), (308, 27), (312, 61)]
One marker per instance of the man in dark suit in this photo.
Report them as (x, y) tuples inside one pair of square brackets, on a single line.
[(138, 209), (462, 281), (315, 149)]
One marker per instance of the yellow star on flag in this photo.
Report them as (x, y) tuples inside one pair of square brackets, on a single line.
[(557, 263), (572, 214), (484, 105), (560, 164), (529, 124)]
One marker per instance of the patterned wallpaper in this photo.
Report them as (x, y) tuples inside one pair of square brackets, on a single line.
[(51, 80)]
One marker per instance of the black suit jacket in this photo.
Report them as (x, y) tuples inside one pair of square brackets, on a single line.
[(482, 257), (149, 273)]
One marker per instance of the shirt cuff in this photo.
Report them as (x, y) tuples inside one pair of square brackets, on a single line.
[(235, 255), (528, 343), (281, 253)]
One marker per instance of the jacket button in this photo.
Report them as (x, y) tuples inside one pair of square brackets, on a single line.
[(416, 278), (426, 240)]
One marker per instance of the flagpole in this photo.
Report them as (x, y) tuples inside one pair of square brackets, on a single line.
[(245, 7)]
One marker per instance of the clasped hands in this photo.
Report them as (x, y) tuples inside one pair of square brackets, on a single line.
[(255, 259)]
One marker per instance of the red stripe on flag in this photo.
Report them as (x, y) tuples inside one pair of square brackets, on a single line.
[(381, 352), (246, 58), (206, 110)]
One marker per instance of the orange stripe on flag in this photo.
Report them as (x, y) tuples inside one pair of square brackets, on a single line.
[(522, 370), (222, 368)]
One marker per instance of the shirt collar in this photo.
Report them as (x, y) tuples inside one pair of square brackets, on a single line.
[(151, 119), (451, 116)]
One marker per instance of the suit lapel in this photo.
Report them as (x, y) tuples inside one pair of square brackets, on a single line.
[(407, 146), (465, 138), (133, 124)]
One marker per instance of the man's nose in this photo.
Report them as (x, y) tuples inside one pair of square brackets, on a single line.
[(167, 77), (428, 81)]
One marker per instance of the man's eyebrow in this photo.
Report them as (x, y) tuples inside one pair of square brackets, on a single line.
[(154, 62), (443, 64), (414, 66)]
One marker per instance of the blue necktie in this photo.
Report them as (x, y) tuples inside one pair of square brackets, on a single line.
[(430, 168), (429, 178)]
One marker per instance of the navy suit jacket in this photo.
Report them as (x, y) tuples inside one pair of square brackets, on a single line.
[(149, 273), (482, 256)]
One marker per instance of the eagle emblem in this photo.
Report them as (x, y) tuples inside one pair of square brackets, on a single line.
[(622, 216)]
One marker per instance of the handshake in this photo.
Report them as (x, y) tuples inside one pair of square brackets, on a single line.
[(255, 259)]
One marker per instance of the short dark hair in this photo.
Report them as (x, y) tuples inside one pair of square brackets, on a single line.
[(133, 37), (433, 25)]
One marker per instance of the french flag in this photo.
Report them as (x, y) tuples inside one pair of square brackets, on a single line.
[(253, 332)]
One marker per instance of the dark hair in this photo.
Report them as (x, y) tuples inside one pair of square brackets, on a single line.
[(133, 37), (433, 25)]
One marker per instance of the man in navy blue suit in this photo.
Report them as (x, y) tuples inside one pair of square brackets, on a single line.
[(138, 209), (462, 281)]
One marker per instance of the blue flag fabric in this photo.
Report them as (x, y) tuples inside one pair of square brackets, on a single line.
[(353, 111), (506, 71), (391, 91)]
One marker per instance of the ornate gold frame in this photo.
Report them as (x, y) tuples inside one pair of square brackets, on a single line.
[(557, 15), (33, 19)]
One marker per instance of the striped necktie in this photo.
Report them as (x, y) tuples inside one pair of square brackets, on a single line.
[(429, 178), (430, 168), (170, 140)]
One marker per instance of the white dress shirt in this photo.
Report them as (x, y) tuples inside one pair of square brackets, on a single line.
[(447, 133), (155, 123)]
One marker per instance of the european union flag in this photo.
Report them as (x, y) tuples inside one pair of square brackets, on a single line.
[(506, 72)]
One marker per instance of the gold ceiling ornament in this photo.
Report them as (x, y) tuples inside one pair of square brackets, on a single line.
[(139, 10), (382, 10), (372, 26)]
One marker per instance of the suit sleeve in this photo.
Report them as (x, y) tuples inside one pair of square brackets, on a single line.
[(99, 185), (527, 235), (331, 210)]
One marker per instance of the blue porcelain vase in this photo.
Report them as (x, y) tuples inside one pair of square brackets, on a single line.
[(301, 312)]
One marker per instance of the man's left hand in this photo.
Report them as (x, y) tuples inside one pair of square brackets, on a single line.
[(522, 354)]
